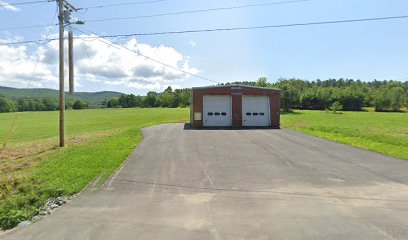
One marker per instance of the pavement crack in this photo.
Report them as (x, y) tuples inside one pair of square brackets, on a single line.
[(290, 193)]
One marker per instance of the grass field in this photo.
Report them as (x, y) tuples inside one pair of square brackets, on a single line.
[(33, 168), (385, 133)]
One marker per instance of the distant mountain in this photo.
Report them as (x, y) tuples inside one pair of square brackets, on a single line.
[(91, 97)]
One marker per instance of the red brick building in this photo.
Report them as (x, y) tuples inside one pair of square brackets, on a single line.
[(235, 106)]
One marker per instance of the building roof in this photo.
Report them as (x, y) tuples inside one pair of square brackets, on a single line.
[(237, 85)]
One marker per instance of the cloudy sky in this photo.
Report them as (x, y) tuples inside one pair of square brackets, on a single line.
[(366, 51)]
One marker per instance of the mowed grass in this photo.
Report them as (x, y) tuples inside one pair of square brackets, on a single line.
[(385, 133), (28, 127), (33, 169)]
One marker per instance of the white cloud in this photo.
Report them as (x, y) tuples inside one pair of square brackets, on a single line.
[(10, 39), (150, 87), (8, 6), (17, 67), (96, 62), (114, 83), (192, 43)]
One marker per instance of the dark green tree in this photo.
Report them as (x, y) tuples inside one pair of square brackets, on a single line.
[(77, 105), (262, 82), (151, 100), (5, 105), (113, 103)]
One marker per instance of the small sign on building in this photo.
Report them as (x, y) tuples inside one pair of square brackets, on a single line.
[(197, 116)]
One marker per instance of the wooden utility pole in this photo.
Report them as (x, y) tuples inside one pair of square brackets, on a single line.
[(65, 9), (71, 62), (61, 74)]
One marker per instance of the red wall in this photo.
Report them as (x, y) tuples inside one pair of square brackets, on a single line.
[(236, 92)]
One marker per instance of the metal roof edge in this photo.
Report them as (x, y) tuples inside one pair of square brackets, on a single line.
[(237, 85)]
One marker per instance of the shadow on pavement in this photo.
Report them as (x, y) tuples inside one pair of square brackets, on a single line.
[(188, 126)]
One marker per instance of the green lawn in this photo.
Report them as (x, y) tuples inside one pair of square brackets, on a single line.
[(385, 133), (31, 127), (33, 168)]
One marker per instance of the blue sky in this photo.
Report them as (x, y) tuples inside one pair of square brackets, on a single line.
[(365, 51)]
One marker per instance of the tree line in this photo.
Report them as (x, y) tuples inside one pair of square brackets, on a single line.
[(23, 104), (342, 94), (336, 94), (167, 99)]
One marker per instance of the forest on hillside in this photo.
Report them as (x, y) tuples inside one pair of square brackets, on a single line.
[(335, 94), (42, 99), (28, 104)]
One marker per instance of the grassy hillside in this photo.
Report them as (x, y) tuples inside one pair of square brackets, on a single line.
[(92, 97)]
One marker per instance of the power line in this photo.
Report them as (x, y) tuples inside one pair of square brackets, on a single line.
[(231, 29), (17, 116), (27, 27), (260, 27), (121, 4), (197, 11), (24, 3), (91, 64), (164, 14), (113, 44), (41, 41), (38, 57)]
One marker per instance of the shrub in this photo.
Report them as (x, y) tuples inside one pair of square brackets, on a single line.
[(336, 106), (5, 105), (389, 99), (77, 105)]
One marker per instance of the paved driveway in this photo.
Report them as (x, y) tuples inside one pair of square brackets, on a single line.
[(238, 184)]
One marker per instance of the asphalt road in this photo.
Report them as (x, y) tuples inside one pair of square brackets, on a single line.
[(238, 184)]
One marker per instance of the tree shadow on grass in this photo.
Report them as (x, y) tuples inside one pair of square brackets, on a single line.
[(290, 112)]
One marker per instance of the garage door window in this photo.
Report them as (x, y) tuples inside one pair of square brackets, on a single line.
[(254, 114), (217, 114), (261, 113), (248, 114), (210, 113), (224, 114)]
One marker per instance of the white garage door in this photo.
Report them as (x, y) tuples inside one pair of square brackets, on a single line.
[(217, 111), (255, 111)]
